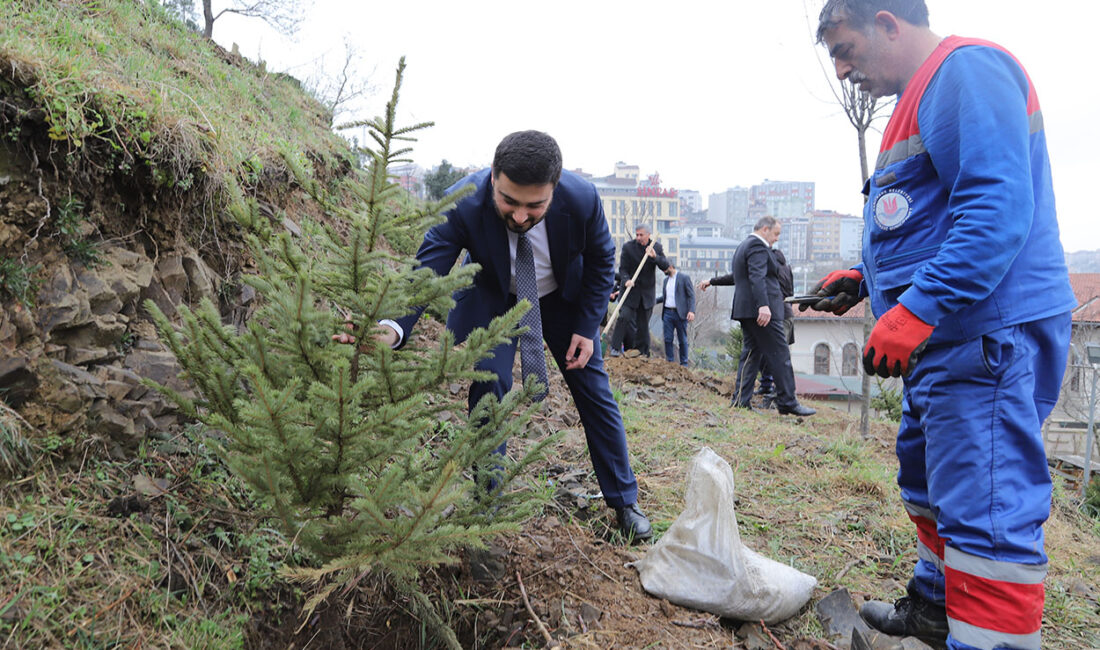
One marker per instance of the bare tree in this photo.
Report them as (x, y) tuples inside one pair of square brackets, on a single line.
[(861, 109), (282, 15), (338, 91)]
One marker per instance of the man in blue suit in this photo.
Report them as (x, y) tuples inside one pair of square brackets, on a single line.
[(678, 297), (525, 195)]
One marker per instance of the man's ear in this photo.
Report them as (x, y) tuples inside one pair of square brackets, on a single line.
[(888, 23)]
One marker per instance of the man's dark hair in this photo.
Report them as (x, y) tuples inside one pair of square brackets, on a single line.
[(528, 158), (765, 222), (859, 14)]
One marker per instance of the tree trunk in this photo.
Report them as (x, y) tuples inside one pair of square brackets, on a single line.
[(208, 19), (868, 318)]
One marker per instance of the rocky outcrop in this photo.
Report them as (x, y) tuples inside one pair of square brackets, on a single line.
[(72, 361)]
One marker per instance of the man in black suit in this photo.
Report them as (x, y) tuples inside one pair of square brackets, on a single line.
[(678, 297), (786, 287), (758, 306), (633, 324)]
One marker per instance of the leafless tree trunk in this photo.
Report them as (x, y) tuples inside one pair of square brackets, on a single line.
[(283, 15)]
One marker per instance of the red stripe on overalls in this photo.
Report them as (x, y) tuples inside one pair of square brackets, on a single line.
[(1008, 607), (903, 122), (926, 533)]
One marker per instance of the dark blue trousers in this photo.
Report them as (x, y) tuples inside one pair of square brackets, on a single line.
[(674, 324), (591, 391), (974, 478)]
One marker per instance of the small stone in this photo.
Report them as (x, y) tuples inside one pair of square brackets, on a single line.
[(590, 614)]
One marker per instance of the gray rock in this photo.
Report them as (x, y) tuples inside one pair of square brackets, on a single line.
[(838, 616), (173, 276), (89, 356), (157, 293), (106, 330), (117, 390), (102, 299), (77, 375), (18, 380), (487, 565), (590, 614), (63, 310), (109, 422), (160, 367), (201, 280), (66, 398)]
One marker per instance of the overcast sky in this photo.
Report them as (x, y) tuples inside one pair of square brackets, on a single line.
[(710, 94)]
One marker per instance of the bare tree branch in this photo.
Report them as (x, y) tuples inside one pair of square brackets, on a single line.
[(282, 15)]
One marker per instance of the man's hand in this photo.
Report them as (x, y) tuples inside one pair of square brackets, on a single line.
[(614, 295), (839, 291), (628, 283), (763, 316), (691, 316), (579, 352), (895, 342), (704, 285), (383, 334), (650, 251)]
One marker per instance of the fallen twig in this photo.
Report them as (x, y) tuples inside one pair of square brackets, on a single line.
[(550, 643), (105, 609), (774, 640), (847, 568), (698, 624)]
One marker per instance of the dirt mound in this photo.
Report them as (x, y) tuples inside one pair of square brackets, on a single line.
[(656, 372)]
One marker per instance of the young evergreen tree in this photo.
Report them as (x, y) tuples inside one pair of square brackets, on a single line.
[(344, 442)]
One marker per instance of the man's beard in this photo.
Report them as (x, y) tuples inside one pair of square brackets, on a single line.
[(510, 223), (518, 229)]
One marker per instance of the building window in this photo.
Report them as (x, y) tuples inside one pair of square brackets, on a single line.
[(614, 208), (850, 365), (672, 209), (821, 359)]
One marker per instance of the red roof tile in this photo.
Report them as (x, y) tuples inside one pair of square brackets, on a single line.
[(1086, 287)]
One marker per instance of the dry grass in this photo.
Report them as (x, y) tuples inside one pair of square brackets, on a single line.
[(157, 551), (815, 495)]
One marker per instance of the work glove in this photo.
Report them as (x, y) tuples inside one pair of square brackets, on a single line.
[(896, 341), (840, 291)]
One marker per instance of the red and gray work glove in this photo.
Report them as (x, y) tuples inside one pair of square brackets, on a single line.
[(896, 341), (840, 291)]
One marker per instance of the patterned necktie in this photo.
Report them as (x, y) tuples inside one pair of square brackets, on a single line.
[(531, 357)]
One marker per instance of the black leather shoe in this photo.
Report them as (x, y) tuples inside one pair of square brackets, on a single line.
[(633, 524), (797, 409), (909, 616)]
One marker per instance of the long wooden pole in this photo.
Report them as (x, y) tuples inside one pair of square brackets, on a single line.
[(637, 272)]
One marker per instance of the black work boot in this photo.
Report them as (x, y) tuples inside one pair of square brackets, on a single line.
[(911, 615)]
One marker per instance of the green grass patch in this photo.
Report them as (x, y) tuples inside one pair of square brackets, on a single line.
[(129, 90)]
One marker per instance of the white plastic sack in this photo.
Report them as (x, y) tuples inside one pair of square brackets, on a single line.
[(701, 563)]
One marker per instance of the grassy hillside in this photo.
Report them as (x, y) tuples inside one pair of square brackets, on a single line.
[(117, 89)]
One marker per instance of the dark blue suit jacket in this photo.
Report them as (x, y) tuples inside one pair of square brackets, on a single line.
[(582, 255), (685, 294)]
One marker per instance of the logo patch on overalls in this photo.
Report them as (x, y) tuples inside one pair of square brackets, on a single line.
[(892, 209)]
